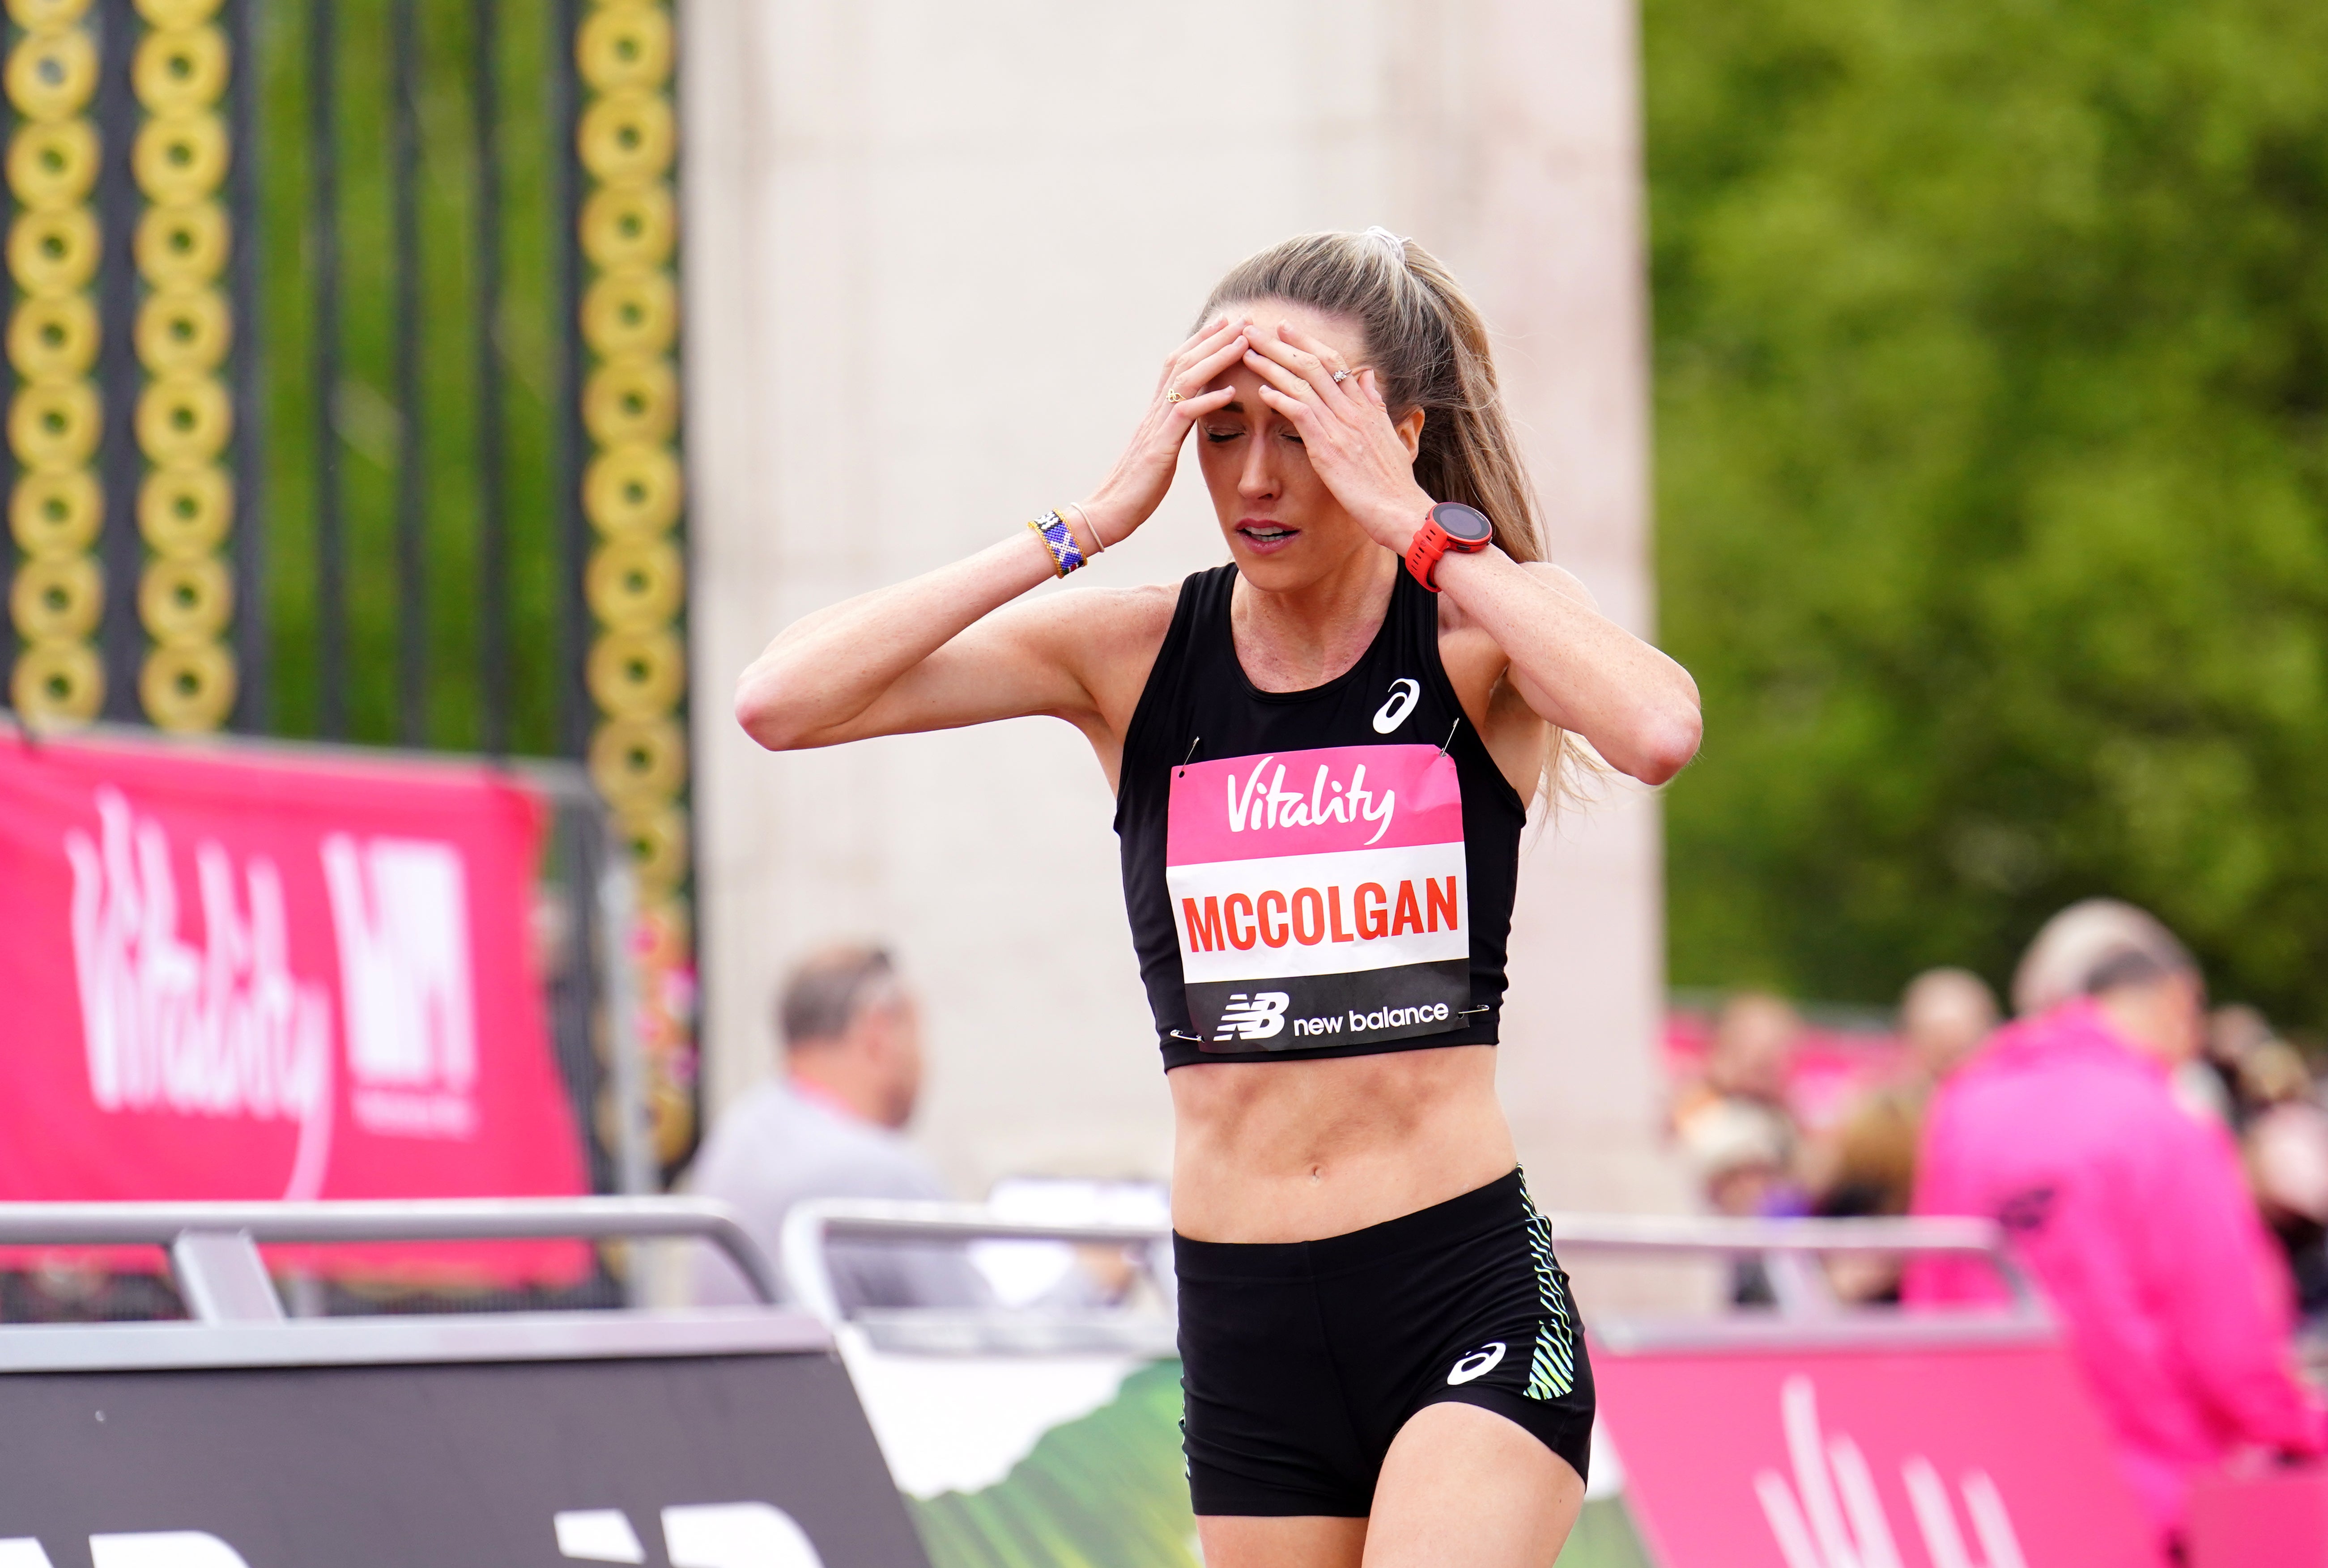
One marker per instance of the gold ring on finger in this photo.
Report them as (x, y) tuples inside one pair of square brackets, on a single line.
[(1172, 395), (1342, 376)]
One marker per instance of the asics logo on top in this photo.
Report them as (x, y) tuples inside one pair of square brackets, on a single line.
[(1254, 1018), (1403, 693), (1478, 1363)]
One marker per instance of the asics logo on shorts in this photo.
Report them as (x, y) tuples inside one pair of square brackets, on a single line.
[(1403, 693), (1252, 1018), (1478, 1363)]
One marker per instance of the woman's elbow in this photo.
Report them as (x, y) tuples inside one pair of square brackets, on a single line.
[(1664, 744), (762, 709)]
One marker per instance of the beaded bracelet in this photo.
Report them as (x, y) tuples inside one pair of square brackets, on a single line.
[(1066, 556)]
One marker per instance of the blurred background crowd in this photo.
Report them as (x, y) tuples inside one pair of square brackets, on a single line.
[(1788, 1109)]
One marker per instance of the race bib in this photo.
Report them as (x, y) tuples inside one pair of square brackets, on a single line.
[(1321, 897)]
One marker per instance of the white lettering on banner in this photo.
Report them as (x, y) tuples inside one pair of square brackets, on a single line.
[(163, 1549), (22, 1552), (1328, 913), (1253, 810), (597, 1536), (736, 1536), (225, 1029), (1834, 1517), (697, 1536), (400, 909)]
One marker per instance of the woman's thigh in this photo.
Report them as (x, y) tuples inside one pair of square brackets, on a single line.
[(1462, 1485), (1311, 1541)]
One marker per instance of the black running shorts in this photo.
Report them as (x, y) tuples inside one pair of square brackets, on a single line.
[(1301, 1360)]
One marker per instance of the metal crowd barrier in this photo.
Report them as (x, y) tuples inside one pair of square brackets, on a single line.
[(237, 1318), (1806, 1310)]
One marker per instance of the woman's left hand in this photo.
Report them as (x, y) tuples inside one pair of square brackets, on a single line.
[(1346, 429)]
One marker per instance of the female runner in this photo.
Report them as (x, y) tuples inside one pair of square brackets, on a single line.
[(1323, 755)]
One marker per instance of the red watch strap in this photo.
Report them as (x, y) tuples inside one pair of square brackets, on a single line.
[(1431, 542)]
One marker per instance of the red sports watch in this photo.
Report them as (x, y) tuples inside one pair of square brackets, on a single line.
[(1450, 525)]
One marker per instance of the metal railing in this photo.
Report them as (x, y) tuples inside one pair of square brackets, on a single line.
[(1808, 1311), (239, 1320), (213, 1247)]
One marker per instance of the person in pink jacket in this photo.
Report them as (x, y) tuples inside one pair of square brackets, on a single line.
[(2129, 1209)]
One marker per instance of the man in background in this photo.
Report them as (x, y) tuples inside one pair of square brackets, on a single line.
[(2130, 1211), (829, 1126)]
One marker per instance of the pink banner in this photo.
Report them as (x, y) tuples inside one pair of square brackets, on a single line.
[(1951, 1457), (229, 976)]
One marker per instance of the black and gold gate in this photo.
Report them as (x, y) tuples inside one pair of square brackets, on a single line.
[(343, 340)]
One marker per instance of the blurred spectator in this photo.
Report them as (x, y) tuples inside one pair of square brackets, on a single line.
[(2070, 946), (1945, 1016), (1866, 1163), (2287, 1163), (1734, 1126), (828, 1128), (2234, 1031), (2131, 1214)]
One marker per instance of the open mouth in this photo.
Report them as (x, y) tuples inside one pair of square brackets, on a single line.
[(1264, 536)]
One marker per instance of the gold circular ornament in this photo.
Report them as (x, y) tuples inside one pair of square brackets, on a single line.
[(633, 311), (183, 331), (179, 70), (55, 424), (183, 418), (634, 585), (57, 513), (630, 224), (187, 687), (185, 510), (657, 837), (632, 489), (624, 45), (51, 166), (185, 600), (633, 398), (179, 158), (54, 337), (54, 252), (626, 135), (50, 75), (46, 15), (181, 245), (177, 12), (637, 674), (638, 761), (59, 598), (62, 682)]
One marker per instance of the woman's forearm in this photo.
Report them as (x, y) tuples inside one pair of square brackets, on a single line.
[(1577, 668), (826, 669)]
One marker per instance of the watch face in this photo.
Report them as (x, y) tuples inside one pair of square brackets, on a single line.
[(1466, 523)]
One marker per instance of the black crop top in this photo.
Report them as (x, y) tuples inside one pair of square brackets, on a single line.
[(1319, 873)]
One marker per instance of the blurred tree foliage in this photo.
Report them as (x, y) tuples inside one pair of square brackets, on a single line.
[(1992, 354)]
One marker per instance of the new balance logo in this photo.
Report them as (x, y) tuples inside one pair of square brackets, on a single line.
[(1254, 1018)]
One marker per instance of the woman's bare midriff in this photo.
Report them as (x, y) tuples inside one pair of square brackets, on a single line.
[(1292, 1151)]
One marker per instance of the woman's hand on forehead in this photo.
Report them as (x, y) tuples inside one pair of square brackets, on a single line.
[(1365, 458)]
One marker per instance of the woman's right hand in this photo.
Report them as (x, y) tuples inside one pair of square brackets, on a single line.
[(1135, 487)]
